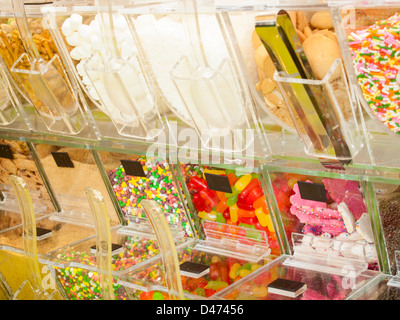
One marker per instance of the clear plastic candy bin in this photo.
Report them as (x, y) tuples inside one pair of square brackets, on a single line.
[(104, 59), (35, 66)]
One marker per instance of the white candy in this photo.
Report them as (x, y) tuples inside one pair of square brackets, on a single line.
[(347, 217), (81, 69), (97, 42), (127, 50), (75, 21), (95, 27), (66, 28), (74, 39), (120, 23), (86, 81), (93, 93), (363, 227), (85, 32), (75, 53)]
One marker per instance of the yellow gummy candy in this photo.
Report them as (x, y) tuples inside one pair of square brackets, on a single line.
[(243, 182)]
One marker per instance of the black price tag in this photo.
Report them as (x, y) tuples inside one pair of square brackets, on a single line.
[(218, 183), (133, 168), (43, 233), (115, 248), (62, 159), (312, 191), (5, 152), (193, 269), (286, 287)]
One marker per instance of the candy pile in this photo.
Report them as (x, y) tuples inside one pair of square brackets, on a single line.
[(320, 286), (344, 217), (246, 206), (375, 52), (223, 272), (158, 185), (81, 284)]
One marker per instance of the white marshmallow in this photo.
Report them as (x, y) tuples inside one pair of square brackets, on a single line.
[(75, 21), (120, 23), (93, 93), (96, 42), (81, 69), (86, 81), (66, 28), (347, 217), (74, 39), (75, 53), (85, 32), (363, 227)]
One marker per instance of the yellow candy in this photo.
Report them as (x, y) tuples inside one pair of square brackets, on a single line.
[(270, 225), (260, 292), (234, 268), (218, 172), (255, 266), (261, 216), (208, 216), (243, 182), (233, 212), (244, 272)]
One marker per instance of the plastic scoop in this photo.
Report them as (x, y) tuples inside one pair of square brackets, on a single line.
[(46, 83), (29, 241), (211, 95), (119, 84), (103, 241), (168, 251)]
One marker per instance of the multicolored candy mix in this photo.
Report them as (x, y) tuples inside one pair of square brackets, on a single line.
[(375, 52)]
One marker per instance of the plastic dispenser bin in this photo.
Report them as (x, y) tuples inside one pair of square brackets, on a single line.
[(41, 76), (17, 158), (372, 73), (99, 51), (321, 207), (68, 171), (133, 178), (204, 89)]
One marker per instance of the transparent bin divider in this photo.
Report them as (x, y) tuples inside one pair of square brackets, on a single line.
[(327, 255), (69, 171), (395, 280), (29, 235), (330, 92)]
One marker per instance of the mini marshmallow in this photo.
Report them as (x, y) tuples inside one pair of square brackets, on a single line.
[(86, 81), (75, 21), (81, 69), (93, 93), (75, 53), (74, 39), (95, 27), (85, 32), (120, 23), (96, 42), (363, 227), (66, 28), (347, 217)]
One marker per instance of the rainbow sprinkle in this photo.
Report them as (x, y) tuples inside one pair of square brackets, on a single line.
[(375, 52)]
